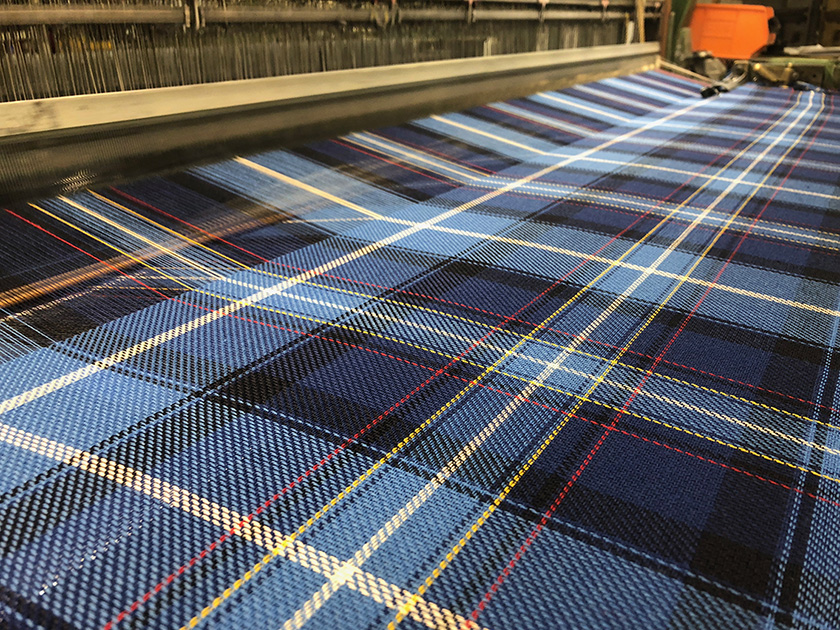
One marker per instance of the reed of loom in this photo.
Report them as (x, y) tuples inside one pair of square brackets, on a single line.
[(81, 47)]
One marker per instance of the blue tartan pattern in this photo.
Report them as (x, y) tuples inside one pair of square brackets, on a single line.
[(568, 361)]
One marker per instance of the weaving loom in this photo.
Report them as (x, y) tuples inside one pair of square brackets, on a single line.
[(566, 361)]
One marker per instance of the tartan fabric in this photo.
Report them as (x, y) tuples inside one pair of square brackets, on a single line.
[(565, 361)]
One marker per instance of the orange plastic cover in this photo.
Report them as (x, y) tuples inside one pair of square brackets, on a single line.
[(730, 31)]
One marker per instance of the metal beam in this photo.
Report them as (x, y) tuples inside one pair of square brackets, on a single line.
[(520, 14), (14, 16), (69, 142), (256, 15)]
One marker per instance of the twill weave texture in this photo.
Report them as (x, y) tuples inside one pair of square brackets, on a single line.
[(567, 361)]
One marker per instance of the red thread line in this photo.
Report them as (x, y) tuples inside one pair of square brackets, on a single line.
[(608, 209), (125, 195), (618, 415), (601, 205), (546, 517), (158, 587), (203, 553), (427, 368), (810, 226), (474, 308), (610, 428), (35, 225), (542, 124), (418, 365), (196, 558), (824, 250), (123, 614), (460, 183), (445, 156), (392, 163), (307, 473)]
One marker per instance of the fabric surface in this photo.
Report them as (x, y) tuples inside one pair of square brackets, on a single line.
[(568, 361)]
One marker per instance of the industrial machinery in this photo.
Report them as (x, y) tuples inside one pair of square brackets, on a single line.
[(414, 315), (58, 50)]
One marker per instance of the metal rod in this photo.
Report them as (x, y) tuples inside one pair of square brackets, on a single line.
[(640, 19), (12, 16), (82, 140), (265, 15), (241, 15), (503, 15), (664, 28)]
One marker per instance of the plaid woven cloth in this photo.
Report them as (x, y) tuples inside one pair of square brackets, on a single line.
[(568, 361)]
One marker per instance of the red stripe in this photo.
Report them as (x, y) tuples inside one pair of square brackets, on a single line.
[(392, 163), (474, 308), (390, 356), (125, 195), (509, 318), (181, 570), (616, 418), (35, 225), (195, 559)]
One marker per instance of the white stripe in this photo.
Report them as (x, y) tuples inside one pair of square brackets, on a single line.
[(601, 93), (318, 599), (581, 106), (209, 511), (660, 83), (77, 375), (548, 188)]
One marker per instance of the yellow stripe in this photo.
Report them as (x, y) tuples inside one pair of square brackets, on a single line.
[(303, 186), (665, 399), (450, 356), (408, 439), (411, 306), (139, 237), (623, 201), (219, 600), (376, 215), (161, 226), (128, 255), (720, 442), (409, 606), (197, 265), (563, 251), (365, 583)]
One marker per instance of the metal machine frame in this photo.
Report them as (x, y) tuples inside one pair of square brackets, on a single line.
[(59, 144)]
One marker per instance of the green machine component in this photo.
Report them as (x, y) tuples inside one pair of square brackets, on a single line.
[(824, 73)]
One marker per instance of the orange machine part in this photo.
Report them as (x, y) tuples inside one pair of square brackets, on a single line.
[(730, 31)]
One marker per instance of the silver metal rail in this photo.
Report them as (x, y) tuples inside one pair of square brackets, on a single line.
[(196, 16), (59, 144), (34, 16)]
